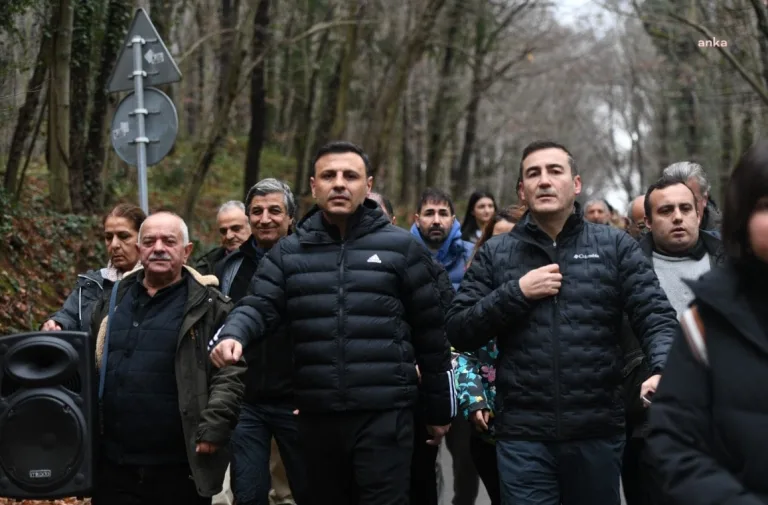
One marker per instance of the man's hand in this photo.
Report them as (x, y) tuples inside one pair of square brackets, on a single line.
[(51, 325), (480, 419), (649, 386), (227, 352), (206, 448), (542, 282), (437, 432)]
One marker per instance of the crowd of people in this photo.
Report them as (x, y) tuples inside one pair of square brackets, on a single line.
[(321, 359)]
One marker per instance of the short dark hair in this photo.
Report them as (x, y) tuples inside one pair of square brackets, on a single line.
[(538, 145), (340, 147), (663, 183), (434, 195), (748, 184), (128, 211)]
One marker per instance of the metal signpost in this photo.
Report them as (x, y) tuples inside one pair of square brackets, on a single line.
[(146, 123)]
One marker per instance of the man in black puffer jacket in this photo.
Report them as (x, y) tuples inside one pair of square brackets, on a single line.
[(553, 291), (361, 302)]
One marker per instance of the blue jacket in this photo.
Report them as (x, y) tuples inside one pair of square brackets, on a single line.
[(454, 253)]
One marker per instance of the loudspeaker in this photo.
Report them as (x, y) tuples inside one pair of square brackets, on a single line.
[(48, 415)]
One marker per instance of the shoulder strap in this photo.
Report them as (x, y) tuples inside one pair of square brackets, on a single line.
[(105, 349), (693, 329)]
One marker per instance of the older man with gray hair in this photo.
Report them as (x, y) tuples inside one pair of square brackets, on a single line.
[(166, 418), (696, 179), (267, 410), (232, 223)]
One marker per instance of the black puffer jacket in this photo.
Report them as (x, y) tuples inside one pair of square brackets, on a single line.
[(708, 439), (559, 373), (361, 312)]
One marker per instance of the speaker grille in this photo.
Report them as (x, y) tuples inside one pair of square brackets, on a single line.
[(9, 385), (40, 442)]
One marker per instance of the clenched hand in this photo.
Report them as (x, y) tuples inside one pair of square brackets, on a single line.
[(542, 282), (206, 448), (227, 352), (51, 325)]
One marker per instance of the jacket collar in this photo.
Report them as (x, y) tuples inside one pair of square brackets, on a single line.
[(315, 229), (573, 225), (725, 291), (707, 244)]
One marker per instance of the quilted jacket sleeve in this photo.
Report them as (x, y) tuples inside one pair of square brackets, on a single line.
[(481, 309), (651, 316), (259, 313), (425, 300)]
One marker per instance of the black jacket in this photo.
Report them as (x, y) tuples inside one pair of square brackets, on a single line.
[(708, 434), (361, 311), (559, 373), (269, 377), (206, 264)]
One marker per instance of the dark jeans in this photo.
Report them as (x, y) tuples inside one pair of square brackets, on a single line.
[(466, 482), (145, 485), (485, 461), (580, 472), (423, 465), (251, 447), (358, 458)]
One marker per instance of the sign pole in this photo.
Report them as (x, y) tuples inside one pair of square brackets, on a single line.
[(140, 112)]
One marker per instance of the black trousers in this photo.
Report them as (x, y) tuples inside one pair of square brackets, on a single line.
[(484, 458), (358, 458), (145, 485), (423, 464), (640, 484), (466, 482)]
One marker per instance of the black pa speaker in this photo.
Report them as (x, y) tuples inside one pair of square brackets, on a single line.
[(48, 415)]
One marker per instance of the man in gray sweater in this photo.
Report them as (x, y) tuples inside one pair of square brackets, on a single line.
[(678, 250)]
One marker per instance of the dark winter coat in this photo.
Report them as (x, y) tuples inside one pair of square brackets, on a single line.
[(559, 372), (360, 310), (209, 398), (708, 434)]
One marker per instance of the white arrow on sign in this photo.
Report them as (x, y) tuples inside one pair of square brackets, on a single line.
[(154, 58)]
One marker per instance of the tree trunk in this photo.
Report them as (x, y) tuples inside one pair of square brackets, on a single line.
[(25, 122), (259, 110), (82, 44), (377, 135), (59, 106), (440, 106), (118, 18)]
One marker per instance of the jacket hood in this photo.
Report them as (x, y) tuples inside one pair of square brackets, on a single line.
[(453, 247), (313, 228)]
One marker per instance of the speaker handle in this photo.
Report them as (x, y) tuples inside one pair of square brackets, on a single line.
[(105, 348)]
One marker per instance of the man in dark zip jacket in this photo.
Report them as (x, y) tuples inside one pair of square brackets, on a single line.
[(362, 305), (553, 292), (268, 404)]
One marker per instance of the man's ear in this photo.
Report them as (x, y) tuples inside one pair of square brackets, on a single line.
[(188, 251), (647, 222)]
